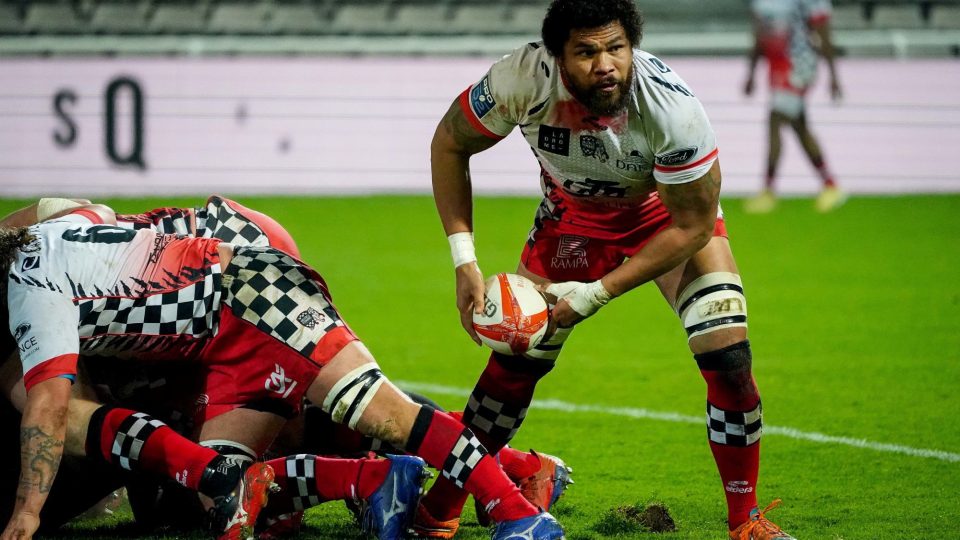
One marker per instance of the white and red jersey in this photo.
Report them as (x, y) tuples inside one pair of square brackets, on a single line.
[(82, 286), (784, 32), (604, 166)]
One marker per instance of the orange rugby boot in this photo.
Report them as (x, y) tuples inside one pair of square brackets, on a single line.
[(758, 527)]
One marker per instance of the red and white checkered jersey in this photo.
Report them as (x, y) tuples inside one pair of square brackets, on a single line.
[(102, 289), (784, 28), (663, 135)]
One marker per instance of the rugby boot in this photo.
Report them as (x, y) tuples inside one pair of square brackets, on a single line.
[(235, 514), (542, 488), (758, 527), (763, 203), (542, 526), (280, 526), (388, 513), (830, 199), (426, 526)]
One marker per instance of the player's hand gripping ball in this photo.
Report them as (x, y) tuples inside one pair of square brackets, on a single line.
[(514, 317)]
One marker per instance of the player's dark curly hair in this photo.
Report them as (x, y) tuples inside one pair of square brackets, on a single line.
[(10, 241), (566, 15)]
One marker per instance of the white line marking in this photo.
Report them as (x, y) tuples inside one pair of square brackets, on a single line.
[(632, 412)]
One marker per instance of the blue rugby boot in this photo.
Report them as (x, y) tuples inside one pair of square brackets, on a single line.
[(542, 526), (388, 513)]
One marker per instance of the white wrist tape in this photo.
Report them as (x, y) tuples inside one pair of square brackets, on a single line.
[(461, 248), (584, 298), (50, 206)]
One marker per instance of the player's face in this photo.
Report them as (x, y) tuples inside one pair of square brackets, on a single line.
[(598, 64)]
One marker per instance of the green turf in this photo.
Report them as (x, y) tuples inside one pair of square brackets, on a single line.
[(854, 320)]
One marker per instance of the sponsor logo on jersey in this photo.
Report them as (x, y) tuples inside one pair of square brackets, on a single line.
[(554, 140), (311, 318), (571, 253), (27, 345), (481, 99), (657, 63), (677, 157), (21, 331), (30, 263), (671, 86), (279, 383), (589, 187), (634, 162), (593, 147)]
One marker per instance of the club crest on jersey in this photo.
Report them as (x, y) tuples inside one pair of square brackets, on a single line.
[(677, 157), (593, 147), (311, 318), (481, 98), (554, 140)]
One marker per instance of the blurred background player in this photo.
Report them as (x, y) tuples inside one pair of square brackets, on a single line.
[(790, 34), (631, 185)]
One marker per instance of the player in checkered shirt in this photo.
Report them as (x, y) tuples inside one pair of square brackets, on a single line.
[(631, 183), (143, 295)]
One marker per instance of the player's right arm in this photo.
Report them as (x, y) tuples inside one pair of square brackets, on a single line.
[(454, 141)]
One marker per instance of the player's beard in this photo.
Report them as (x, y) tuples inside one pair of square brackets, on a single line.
[(605, 103)]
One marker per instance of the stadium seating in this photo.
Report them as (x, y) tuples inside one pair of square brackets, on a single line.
[(897, 17), (863, 26), (849, 17), (945, 17), (239, 18), (298, 19), (186, 18), (119, 17), (54, 18)]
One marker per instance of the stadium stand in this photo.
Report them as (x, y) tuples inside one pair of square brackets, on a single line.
[(897, 17), (863, 27)]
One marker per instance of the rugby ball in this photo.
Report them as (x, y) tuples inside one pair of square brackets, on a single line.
[(514, 317)]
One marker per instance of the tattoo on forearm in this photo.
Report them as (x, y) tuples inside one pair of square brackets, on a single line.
[(40, 458)]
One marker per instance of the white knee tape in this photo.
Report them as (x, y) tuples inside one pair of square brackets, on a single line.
[(347, 400), (712, 302)]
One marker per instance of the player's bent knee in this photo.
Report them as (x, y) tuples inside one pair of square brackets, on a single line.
[(349, 397), (712, 302)]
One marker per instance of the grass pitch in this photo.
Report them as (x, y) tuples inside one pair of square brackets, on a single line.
[(855, 325)]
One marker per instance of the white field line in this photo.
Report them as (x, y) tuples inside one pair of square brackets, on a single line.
[(633, 412)]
